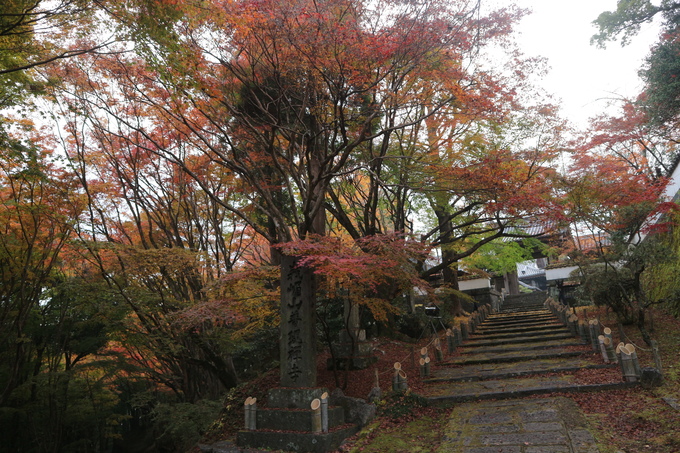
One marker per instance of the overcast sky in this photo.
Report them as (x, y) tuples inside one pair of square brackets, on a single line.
[(583, 76)]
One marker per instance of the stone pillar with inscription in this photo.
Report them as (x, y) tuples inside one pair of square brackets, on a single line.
[(286, 423), (298, 329)]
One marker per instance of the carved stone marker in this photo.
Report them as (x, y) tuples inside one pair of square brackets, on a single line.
[(296, 417), (298, 342), (352, 351), (351, 333)]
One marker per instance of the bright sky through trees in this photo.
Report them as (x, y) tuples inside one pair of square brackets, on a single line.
[(583, 76)]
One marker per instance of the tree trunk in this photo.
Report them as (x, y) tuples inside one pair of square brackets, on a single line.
[(452, 304), (513, 283)]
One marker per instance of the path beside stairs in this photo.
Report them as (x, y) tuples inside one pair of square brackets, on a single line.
[(519, 352)]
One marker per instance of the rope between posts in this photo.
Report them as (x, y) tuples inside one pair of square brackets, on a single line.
[(636, 346), (408, 355), (626, 338)]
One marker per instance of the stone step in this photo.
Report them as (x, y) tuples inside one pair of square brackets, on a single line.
[(448, 393), (514, 325), (520, 305), (526, 333), (491, 371), (520, 314), (477, 342), (482, 330), (529, 305), (516, 309), (513, 356), (514, 321), (528, 346)]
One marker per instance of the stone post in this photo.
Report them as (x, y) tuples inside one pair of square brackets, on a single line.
[(450, 344), (583, 331), (627, 366), (324, 412), (399, 383), (464, 331), (609, 347), (438, 353), (457, 336), (634, 358), (657, 357), (250, 413), (603, 348)]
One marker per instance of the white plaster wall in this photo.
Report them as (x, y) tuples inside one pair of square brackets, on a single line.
[(559, 273), (477, 283)]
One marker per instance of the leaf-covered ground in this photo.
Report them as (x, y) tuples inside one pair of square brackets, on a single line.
[(639, 420), (629, 421)]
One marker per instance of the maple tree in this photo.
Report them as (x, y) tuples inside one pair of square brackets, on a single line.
[(164, 245), (200, 149), (48, 334), (34, 33), (613, 193), (216, 139), (644, 140), (37, 32), (306, 116), (373, 269), (47, 339), (630, 137), (36, 220), (492, 184)]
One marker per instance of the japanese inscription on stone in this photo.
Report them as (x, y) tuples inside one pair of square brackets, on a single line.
[(298, 367)]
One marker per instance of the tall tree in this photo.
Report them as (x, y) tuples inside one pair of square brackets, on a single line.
[(36, 216), (659, 100), (296, 100), (618, 202), (34, 33), (162, 243)]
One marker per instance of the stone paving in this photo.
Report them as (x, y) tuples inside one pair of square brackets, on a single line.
[(549, 425)]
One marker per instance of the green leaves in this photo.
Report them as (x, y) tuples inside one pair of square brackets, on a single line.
[(661, 74), (502, 256), (625, 22)]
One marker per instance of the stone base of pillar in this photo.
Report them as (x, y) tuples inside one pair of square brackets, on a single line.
[(286, 423)]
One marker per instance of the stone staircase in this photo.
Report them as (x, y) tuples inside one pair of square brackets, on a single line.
[(524, 302), (519, 352)]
